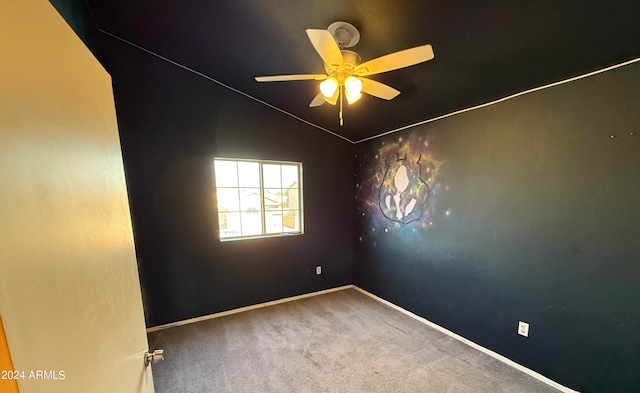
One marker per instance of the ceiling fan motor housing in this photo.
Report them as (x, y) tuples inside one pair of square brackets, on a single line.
[(351, 60)]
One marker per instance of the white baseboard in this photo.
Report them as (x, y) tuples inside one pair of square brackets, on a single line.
[(470, 343), (247, 308)]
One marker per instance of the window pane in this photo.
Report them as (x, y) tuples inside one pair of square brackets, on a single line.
[(271, 176), (251, 223), (228, 199), (226, 173), (290, 176), (273, 221), (272, 198), (291, 198), (229, 224), (248, 174), (291, 221), (250, 200)]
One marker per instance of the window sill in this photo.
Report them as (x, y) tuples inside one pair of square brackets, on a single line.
[(287, 234)]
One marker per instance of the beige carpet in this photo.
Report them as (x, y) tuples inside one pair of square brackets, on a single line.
[(339, 342)]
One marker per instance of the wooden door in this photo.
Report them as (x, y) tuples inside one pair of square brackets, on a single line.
[(69, 289)]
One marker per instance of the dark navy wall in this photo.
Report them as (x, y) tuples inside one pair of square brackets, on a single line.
[(533, 215), (172, 123)]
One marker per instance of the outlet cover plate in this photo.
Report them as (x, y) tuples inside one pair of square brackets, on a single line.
[(523, 328), (318, 269)]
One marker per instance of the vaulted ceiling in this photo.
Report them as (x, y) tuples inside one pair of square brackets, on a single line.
[(484, 50)]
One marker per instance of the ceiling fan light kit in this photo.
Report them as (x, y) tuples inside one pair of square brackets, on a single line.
[(352, 87), (345, 74), (329, 86)]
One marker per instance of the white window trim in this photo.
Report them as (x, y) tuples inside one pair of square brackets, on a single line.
[(262, 211)]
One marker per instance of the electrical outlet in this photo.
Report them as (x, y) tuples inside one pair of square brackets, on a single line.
[(523, 328), (318, 269)]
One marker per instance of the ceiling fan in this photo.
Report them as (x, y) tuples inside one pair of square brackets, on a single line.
[(345, 75)]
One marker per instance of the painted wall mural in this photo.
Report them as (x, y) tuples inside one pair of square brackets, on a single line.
[(403, 192), (399, 185)]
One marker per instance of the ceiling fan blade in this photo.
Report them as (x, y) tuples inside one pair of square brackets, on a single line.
[(283, 78), (326, 47), (378, 89), (317, 101), (395, 60)]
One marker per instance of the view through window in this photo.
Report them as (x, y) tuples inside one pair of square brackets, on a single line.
[(258, 198)]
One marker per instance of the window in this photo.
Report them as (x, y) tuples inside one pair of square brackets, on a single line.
[(258, 198)]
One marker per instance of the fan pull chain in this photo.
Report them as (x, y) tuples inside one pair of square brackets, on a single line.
[(341, 94)]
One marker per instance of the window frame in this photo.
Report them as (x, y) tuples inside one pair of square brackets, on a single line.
[(263, 211)]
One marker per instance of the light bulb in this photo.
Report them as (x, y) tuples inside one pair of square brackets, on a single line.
[(353, 85), (328, 87), (351, 98)]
